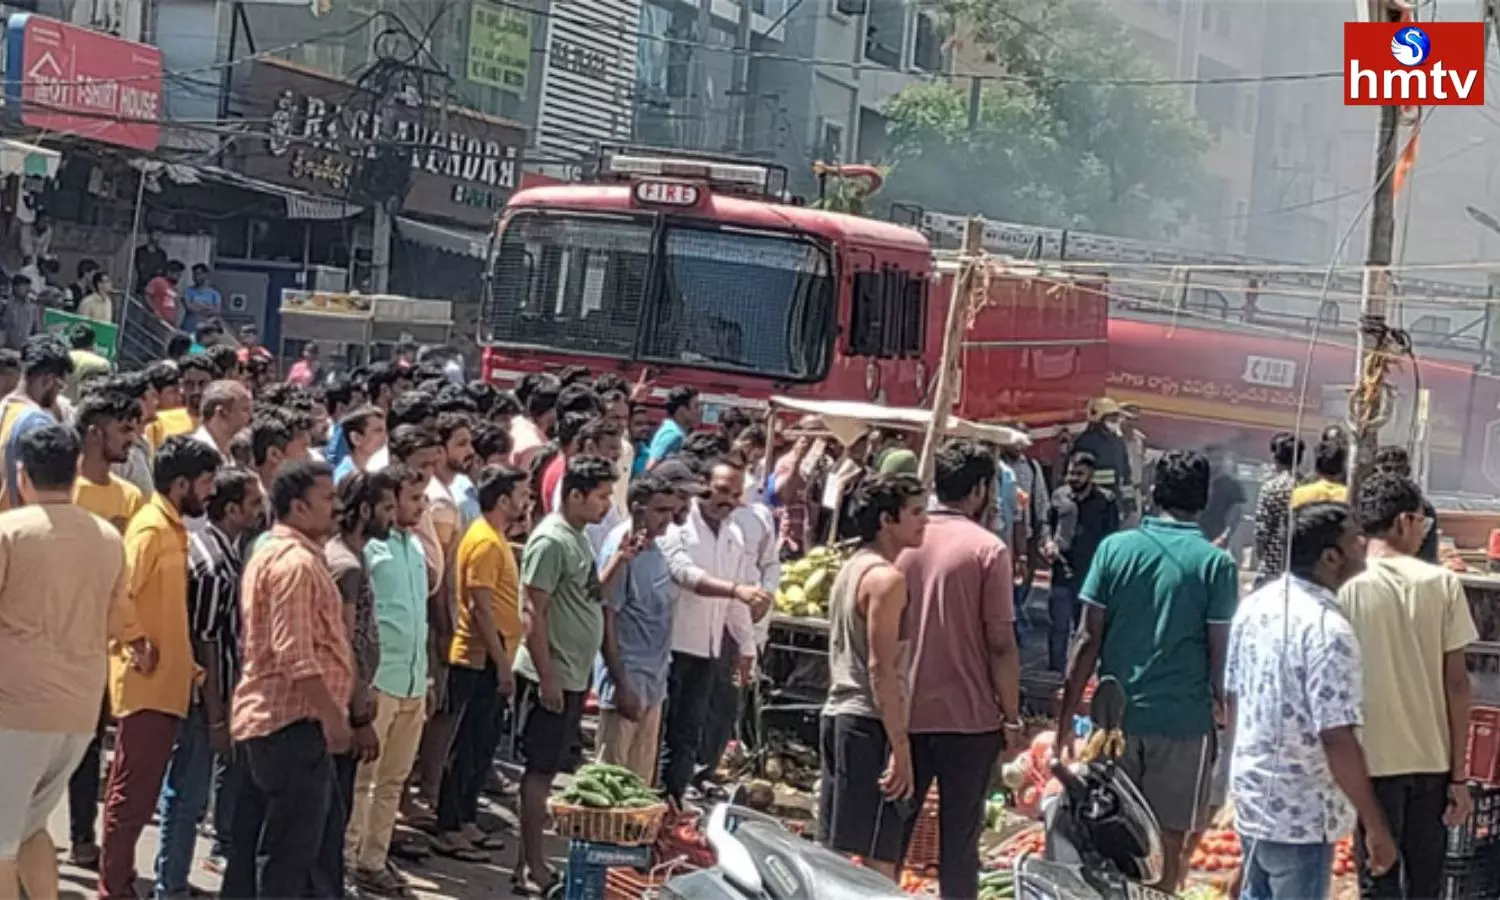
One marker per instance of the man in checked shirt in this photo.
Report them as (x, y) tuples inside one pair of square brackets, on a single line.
[(291, 708)]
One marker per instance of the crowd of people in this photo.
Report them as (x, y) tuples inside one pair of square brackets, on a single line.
[(310, 613), (316, 608)]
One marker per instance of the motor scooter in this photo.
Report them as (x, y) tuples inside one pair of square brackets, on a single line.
[(759, 859), (1103, 843), (1102, 840)]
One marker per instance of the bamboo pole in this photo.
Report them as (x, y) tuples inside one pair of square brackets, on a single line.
[(958, 318)]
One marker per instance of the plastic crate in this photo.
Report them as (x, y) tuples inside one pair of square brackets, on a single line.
[(1484, 744), (1470, 879), (1481, 834), (923, 851), (1471, 867)]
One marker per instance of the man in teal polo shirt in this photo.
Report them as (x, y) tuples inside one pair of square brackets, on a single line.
[(682, 417), (398, 581), (1157, 604)]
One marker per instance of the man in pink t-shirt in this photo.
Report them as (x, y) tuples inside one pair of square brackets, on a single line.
[(305, 370), (965, 665)]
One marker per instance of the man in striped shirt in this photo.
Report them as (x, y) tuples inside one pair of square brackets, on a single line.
[(214, 568)]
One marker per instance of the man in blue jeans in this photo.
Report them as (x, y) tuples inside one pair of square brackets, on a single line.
[(214, 569), (1295, 694)]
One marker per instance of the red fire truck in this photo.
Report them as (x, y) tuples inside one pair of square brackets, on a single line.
[(700, 272)]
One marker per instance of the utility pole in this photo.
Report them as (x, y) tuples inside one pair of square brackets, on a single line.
[(960, 307), (1367, 404), (738, 133)]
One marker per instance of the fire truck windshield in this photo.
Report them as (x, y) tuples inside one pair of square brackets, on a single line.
[(667, 291)]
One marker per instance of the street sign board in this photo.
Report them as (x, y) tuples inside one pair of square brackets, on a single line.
[(63, 78)]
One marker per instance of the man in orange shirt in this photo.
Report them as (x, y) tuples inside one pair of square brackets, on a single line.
[(292, 705), (150, 702)]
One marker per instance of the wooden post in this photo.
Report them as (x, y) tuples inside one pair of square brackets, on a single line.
[(1369, 405), (953, 335)]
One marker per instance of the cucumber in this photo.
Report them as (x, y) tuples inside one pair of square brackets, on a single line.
[(595, 799), (608, 769), (637, 802)]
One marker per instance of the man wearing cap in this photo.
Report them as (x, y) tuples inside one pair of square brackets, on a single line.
[(1104, 440)]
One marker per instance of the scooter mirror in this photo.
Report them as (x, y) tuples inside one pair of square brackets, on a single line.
[(1108, 706), (734, 859)]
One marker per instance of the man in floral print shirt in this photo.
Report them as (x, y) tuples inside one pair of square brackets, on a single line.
[(1293, 677)]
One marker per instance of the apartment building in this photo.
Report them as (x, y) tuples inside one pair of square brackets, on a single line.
[(812, 106)]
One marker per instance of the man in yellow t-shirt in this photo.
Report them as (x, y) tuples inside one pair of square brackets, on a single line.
[(194, 375), (1413, 623), (107, 424), (486, 635), (1331, 463)]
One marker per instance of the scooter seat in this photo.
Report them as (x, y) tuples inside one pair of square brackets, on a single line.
[(794, 869)]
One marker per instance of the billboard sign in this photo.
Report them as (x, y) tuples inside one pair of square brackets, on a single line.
[(72, 80)]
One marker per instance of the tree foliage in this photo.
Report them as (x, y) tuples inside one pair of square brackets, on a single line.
[(1058, 139)]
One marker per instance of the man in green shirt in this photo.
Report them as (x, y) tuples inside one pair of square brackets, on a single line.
[(555, 662), (1157, 604)]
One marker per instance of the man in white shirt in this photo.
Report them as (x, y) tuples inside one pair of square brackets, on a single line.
[(409, 408), (725, 575), (1292, 677), (759, 524), (225, 412)]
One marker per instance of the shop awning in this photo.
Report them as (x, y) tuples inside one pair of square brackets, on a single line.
[(452, 240), (300, 205), (21, 159)]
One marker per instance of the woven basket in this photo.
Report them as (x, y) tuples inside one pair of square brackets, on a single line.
[(923, 851), (621, 827)]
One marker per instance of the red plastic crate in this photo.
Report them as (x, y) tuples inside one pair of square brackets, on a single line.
[(1484, 744)]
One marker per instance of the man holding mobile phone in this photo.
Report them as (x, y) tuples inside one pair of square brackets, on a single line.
[(637, 653)]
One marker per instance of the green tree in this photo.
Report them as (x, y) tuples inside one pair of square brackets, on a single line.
[(1058, 140)]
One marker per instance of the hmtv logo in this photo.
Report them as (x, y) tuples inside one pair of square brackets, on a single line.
[(1414, 64)]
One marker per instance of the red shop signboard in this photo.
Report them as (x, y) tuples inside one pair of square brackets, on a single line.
[(73, 80)]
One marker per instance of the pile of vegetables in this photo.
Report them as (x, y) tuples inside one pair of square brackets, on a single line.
[(1344, 862), (997, 885), (680, 838), (1218, 851), (602, 786), (1004, 856), (805, 583), (996, 813), (1028, 777), (920, 882)]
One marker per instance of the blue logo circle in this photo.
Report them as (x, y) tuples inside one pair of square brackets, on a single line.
[(1410, 46)]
